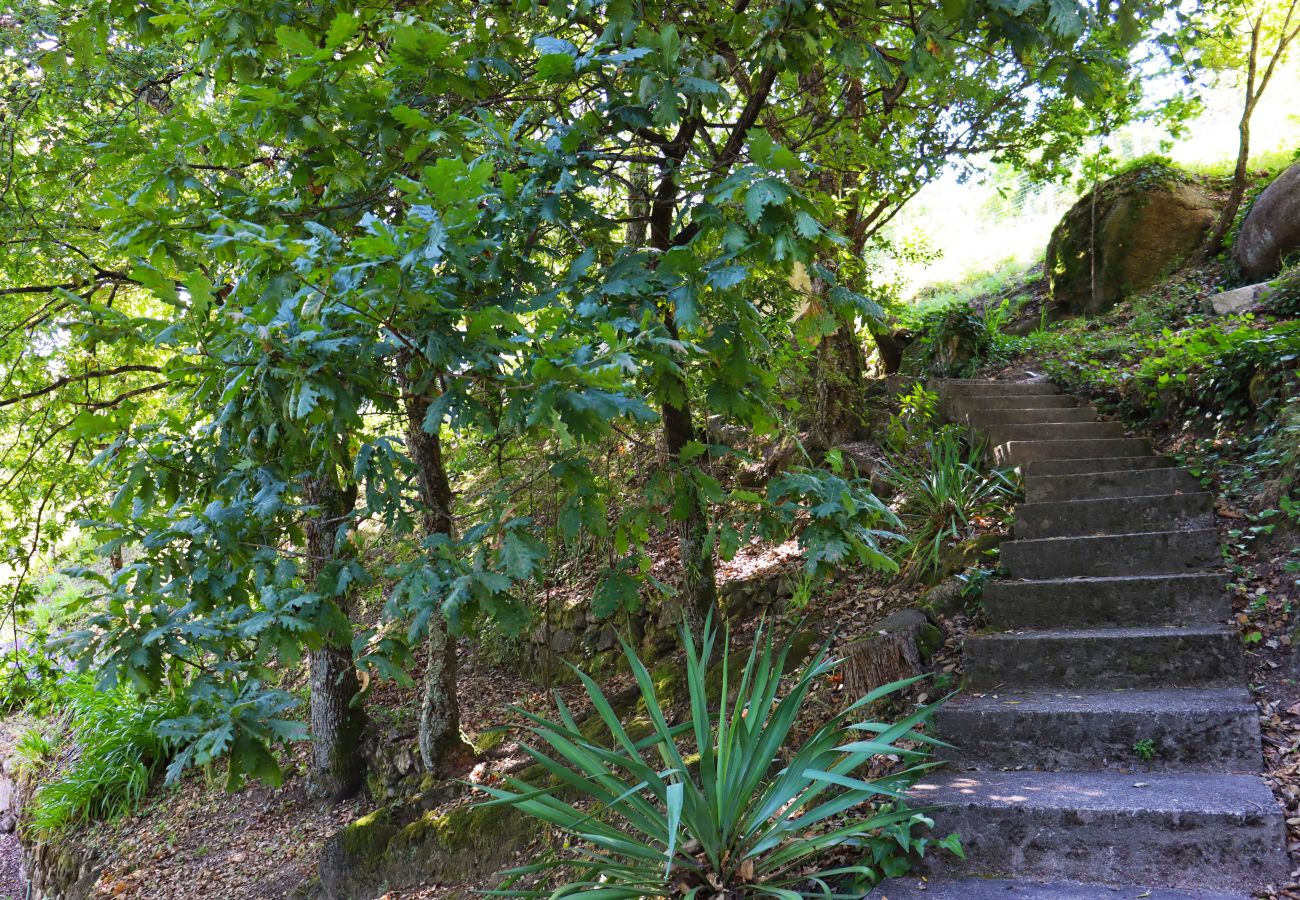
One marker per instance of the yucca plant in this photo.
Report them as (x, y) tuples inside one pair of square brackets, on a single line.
[(943, 492), (723, 804)]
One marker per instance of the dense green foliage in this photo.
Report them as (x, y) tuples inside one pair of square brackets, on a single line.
[(292, 273), (700, 806)]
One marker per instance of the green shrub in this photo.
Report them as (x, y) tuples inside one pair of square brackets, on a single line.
[(108, 756), (31, 679), (1284, 294), (731, 805), (951, 342), (918, 410)]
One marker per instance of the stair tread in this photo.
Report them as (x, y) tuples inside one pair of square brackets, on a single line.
[(1120, 579), (1192, 699), (1134, 498), (1193, 792), (914, 888), (1052, 468), (1116, 536), (1136, 632)]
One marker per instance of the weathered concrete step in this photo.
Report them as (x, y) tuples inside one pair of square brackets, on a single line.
[(1059, 431), (982, 418), (1114, 515), (1047, 467), (1142, 553), (970, 403), (1210, 832), (1189, 730), (1104, 485), (1104, 659), (921, 888), (1021, 452), (1198, 598), (976, 387)]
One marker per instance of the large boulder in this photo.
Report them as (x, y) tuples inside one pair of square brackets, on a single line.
[(1147, 221), (1271, 230)]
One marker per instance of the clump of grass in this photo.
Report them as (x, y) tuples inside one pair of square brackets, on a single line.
[(103, 759)]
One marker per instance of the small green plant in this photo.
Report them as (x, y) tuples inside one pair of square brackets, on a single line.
[(723, 804), (1145, 749), (918, 409)]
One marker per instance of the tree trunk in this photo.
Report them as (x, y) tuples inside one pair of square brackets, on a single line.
[(698, 590), (698, 595), (443, 748), (337, 723), (337, 720), (1214, 243), (840, 395), (890, 346)]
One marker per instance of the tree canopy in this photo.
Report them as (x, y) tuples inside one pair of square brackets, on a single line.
[(272, 264)]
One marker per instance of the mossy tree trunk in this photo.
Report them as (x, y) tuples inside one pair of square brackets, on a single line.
[(443, 748), (338, 721), (840, 387)]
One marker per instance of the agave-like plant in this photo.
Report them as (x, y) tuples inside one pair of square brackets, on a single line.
[(722, 804), (943, 492)]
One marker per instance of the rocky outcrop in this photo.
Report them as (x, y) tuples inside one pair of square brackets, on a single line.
[(392, 849), (56, 871), (1124, 237), (1270, 233)]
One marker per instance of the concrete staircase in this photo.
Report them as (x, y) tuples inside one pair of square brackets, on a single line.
[(1109, 630)]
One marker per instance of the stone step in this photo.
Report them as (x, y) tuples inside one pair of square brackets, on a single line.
[(1193, 730), (1209, 832), (1104, 658), (975, 387), (982, 418), (969, 403), (922, 888), (1116, 515), (1058, 431), (1198, 598), (1020, 452), (1142, 553), (1105, 485), (1047, 467)]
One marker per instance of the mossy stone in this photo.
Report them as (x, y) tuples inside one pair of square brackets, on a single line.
[(1125, 236)]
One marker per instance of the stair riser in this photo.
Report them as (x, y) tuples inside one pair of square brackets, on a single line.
[(1102, 662), (1017, 401), (1151, 553), (1064, 431), (1116, 516), (1109, 485), (1107, 603), (1210, 740), (1213, 851), (1020, 452), (953, 388), (985, 417), (1051, 467)]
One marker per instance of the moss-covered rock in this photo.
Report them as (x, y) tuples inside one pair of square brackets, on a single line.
[(1125, 236), (379, 852)]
